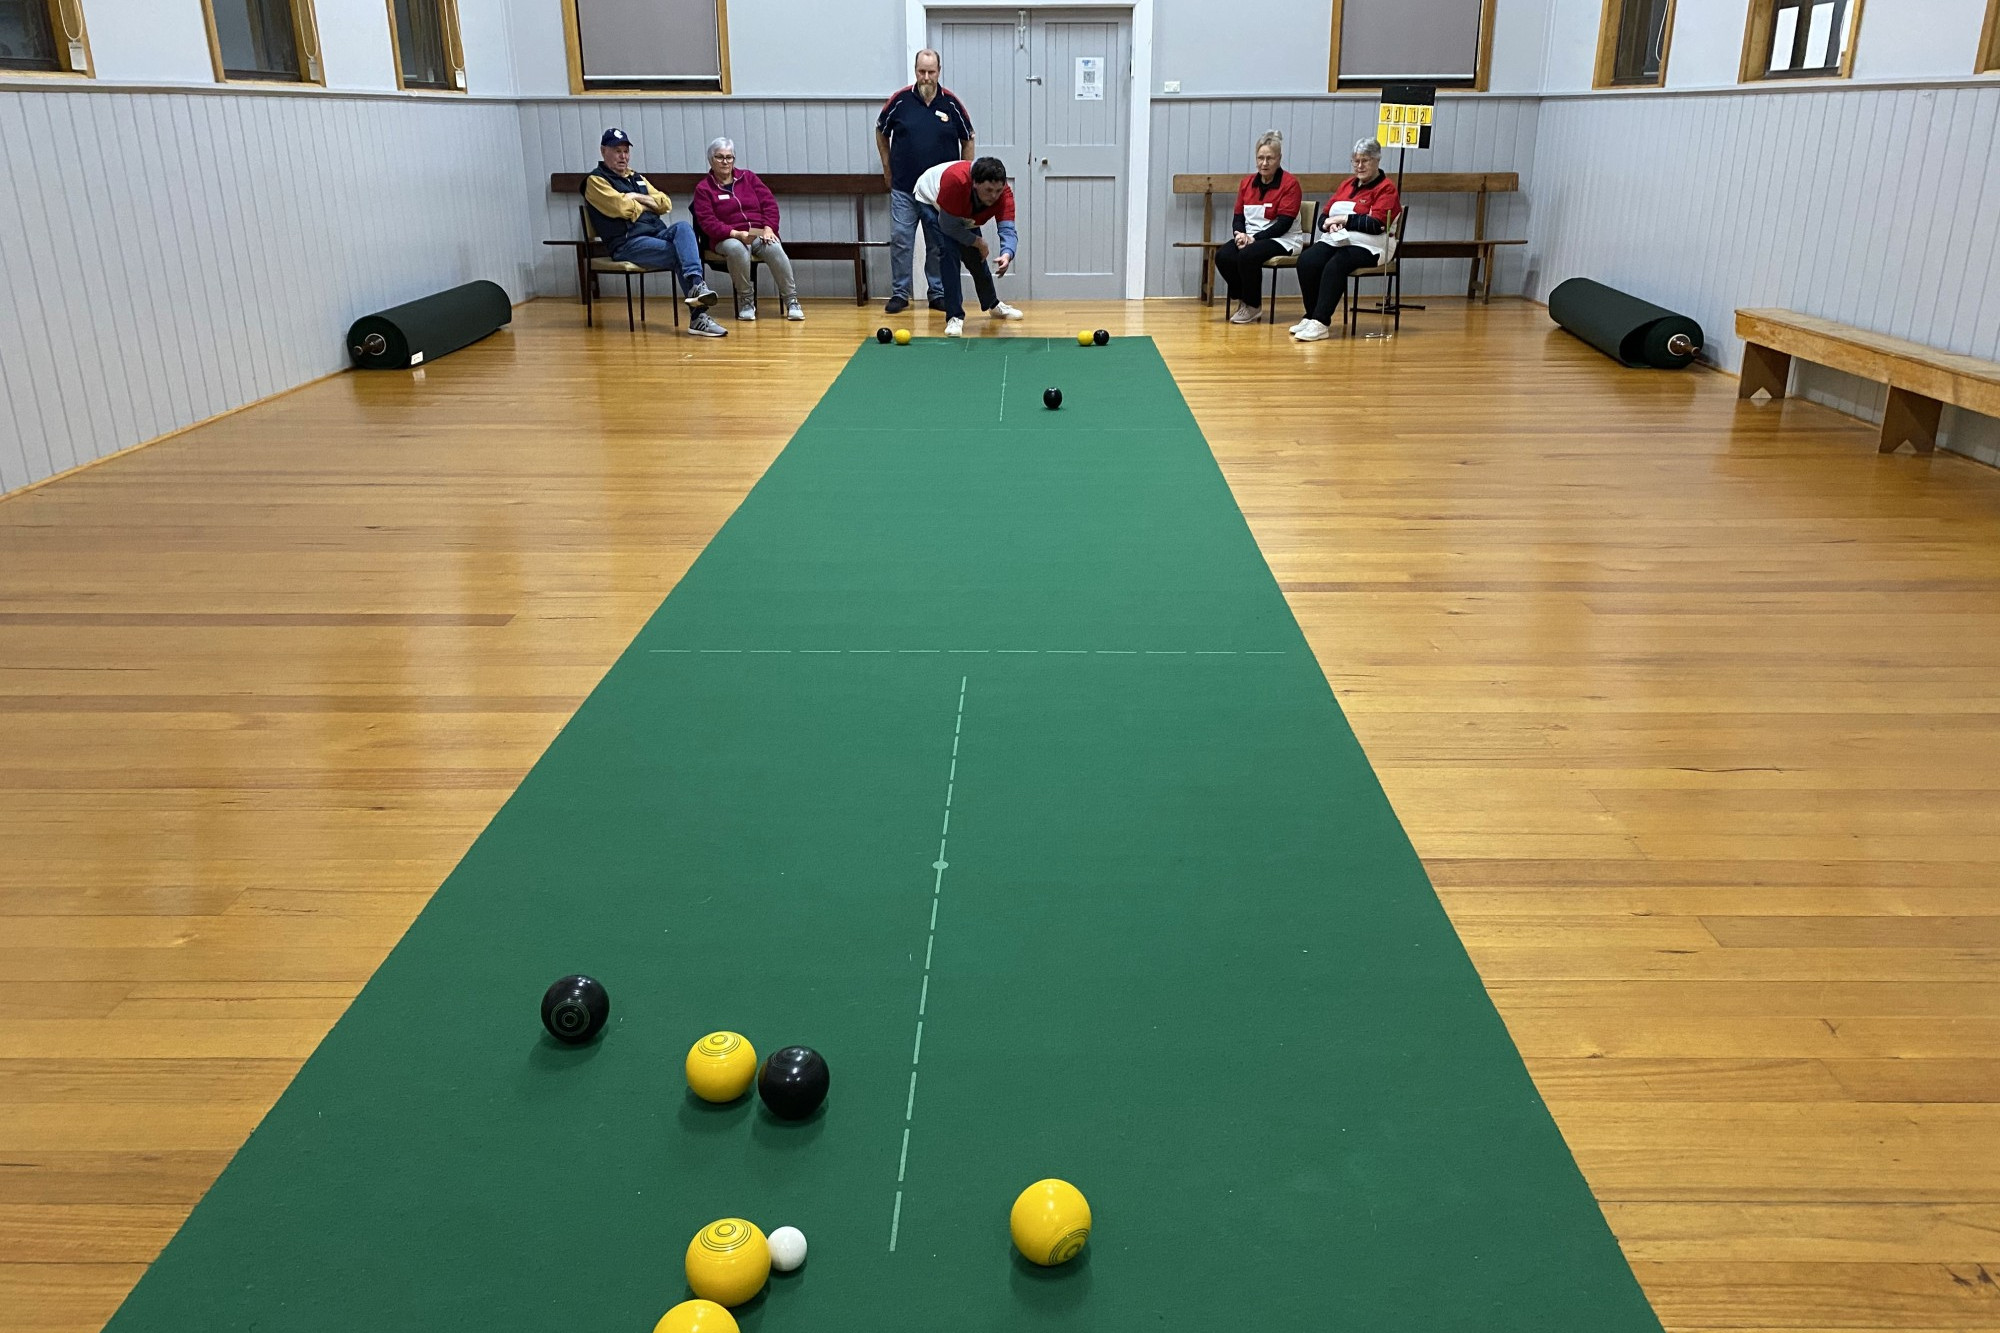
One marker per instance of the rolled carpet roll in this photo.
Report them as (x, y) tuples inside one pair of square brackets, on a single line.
[(1623, 327), (425, 329)]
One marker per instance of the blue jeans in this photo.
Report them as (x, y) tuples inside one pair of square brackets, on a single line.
[(663, 245), (941, 239), (903, 247)]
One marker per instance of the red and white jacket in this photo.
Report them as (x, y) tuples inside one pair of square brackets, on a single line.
[(1374, 204)]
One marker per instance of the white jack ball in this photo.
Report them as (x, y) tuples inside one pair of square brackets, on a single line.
[(788, 1248)]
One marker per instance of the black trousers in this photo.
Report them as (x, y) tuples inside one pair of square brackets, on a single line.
[(1323, 271), (1243, 270)]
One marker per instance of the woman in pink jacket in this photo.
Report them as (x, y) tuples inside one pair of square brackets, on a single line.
[(738, 220)]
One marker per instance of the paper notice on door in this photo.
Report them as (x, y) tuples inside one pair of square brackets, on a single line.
[(1090, 78)]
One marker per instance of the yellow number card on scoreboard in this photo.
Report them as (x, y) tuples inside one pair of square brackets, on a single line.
[(1405, 116)]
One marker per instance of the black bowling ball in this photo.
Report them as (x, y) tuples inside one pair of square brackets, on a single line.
[(1052, 399), (793, 1082), (575, 1008)]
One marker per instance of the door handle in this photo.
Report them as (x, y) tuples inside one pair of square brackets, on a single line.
[(1045, 161), (1034, 78)]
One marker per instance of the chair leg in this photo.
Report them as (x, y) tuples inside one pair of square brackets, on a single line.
[(1271, 301), (642, 300), (589, 305), (1396, 295)]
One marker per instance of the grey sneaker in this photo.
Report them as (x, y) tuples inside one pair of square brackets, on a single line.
[(702, 297), (746, 311), (793, 310), (701, 324)]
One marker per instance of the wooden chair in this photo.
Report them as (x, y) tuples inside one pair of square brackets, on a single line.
[(1390, 267), (600, 261), (1290, 259)]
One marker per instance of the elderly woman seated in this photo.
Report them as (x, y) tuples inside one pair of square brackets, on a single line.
[(1351, 236), (737, 217), (1267, 211)]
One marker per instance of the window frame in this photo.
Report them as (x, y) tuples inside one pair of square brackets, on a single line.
[(573, 46), (1988, 61), (60, 13), (1605, 74), (1760, 30), (454, 48), (305, 36)]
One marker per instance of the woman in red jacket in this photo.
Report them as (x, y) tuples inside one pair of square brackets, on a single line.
[(1267, 215), (1351, 237), (737, 217)]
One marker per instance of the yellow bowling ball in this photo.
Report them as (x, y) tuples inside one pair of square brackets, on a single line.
[(720, 1066), (728, 1262), (1083, 337), (902, 337), (1050, 1222), (696, 1317)]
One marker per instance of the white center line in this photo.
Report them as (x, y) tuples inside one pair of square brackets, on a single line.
[(930, 949), (1003, 388)]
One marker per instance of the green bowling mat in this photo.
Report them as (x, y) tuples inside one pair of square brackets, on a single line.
[(981, 752)]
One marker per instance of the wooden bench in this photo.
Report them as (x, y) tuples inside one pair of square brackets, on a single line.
[(1478, 248), (1921, 379), (679, 186)]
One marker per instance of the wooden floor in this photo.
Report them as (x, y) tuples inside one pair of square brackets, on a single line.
[(1692, 708)]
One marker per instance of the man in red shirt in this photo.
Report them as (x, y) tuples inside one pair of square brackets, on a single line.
[(954, 200)]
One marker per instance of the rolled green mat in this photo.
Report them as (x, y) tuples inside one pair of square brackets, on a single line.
[(427, 328), (1623, 327)]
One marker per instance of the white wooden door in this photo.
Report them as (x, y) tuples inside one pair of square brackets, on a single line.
[(1049, 94), (1078, 104)]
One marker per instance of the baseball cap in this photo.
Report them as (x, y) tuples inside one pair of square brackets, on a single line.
[(615, 137)]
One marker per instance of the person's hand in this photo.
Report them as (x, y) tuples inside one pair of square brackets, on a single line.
[(1241, 240), (767, 234), (745, 236), (1337, 223), (1002, 264)]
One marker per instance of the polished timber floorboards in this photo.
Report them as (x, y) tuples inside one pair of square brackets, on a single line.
[(1692, 708)]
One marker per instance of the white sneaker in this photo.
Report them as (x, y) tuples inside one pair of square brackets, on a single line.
[(746, 312), (793, 310), (954, 328), (1312, 331), (1300, 325), (1246, 314), (1001, 310)]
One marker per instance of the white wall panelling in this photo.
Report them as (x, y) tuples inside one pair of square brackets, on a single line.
[(1474, 133), (1878, 207), (248, 232)]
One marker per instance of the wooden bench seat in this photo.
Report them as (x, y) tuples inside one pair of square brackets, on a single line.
[(1921, 379), (679, 186), (1478, 247)]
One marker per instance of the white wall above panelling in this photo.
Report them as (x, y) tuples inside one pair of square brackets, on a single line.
[(485, 29), (541, 60), (776, 50), (149, 41)]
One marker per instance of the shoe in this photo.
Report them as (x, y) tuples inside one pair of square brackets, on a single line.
[(746, 312), (934, 302), (1247, 314), (1312, 331), (702, 325), (954, 328), (793, 310), (1001, 310), (1300, 325), (897, 305), (702, 297)]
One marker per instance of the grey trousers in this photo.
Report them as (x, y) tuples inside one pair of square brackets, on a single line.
[(737, 255)]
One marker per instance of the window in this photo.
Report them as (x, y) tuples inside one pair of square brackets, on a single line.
[(43, 37), (662, 46), (1800, 39), (1632, 43), (1448, 43), (263, 41), (425, 36)]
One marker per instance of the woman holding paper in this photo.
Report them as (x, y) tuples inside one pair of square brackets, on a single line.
[(1267, 209), (1351, 237)]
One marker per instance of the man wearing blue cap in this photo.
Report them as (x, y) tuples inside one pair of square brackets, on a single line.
[(630, 220)]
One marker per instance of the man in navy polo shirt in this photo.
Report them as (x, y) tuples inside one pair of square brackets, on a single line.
[(920, 126)]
